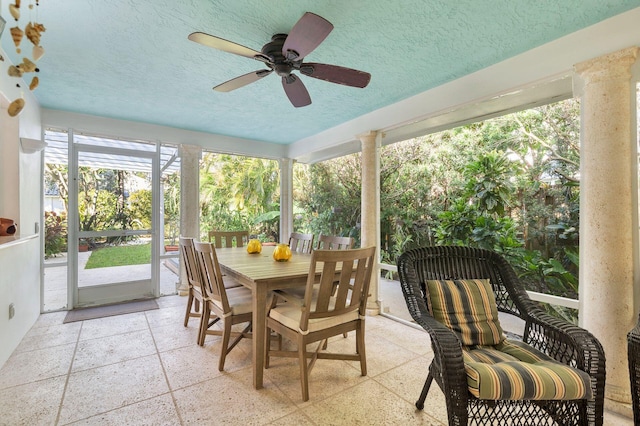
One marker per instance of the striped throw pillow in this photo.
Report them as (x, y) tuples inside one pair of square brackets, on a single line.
[(468, 308)]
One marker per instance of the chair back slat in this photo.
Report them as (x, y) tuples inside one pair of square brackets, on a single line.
[(226, 239), (213, 284), (359, 282), (324, 288), (301, 243), (191, 266), (343, 286), (333, 242)]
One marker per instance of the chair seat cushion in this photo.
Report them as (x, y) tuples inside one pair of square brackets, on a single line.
[(467, 307), (289, 314), (240, 300), (514, 370)]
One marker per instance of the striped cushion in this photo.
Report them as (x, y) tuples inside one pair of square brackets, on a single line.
[(468, 307), (515, 370)]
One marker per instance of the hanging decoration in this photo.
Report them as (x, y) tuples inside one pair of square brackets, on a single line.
[(15, 107), (33, 31)]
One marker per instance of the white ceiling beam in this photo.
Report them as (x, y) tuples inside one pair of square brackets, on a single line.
[(114, 128)]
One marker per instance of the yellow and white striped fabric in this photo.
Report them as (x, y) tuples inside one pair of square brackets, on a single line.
[(516, 371), (468, 307)]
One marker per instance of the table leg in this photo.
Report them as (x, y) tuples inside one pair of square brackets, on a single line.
[(259, 333)]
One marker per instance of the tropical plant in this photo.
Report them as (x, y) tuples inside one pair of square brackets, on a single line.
[(56, 179), (139, 209), (331, 197), (489, 182), (55, 235), (510, 184), (235, 190), (171, 199)]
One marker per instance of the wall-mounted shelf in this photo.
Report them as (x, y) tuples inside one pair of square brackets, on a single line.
[(30, 146), (14, 240)]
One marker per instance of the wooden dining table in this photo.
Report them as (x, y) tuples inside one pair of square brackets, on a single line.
[(261, 273)]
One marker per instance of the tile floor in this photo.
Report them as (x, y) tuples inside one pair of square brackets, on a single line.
[(146, 369)]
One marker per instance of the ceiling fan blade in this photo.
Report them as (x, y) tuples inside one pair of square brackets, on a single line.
[(305, 36), (243, 80), (228, 46), (295, 90), (336, 74)]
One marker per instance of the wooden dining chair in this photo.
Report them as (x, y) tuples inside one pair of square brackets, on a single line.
[(333, 242), (232, 306), (226, 239), (194, 299), (326, 242), (301, 243), (323, 313)]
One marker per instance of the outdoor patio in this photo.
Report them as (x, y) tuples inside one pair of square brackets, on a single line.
[(146, 368)]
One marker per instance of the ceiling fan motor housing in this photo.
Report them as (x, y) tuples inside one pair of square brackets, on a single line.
[(281, 65)]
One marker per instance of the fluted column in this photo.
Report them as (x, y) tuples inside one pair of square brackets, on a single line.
[(370, 207), (189, 201), (608, 209), (286, 199)]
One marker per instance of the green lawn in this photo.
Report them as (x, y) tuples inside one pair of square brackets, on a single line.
[(138, 254)]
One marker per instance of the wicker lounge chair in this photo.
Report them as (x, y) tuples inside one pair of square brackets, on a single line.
[(633, 347), (544, 334)]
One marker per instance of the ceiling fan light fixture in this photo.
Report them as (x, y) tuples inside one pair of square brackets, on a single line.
[(263, 58), (292, 55), (306, 69)]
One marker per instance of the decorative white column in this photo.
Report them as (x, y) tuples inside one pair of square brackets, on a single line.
[(189, 201), (286, 199), (608, 210), (370, 207)]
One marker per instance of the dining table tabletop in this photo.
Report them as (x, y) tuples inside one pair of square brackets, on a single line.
[(262, 274)]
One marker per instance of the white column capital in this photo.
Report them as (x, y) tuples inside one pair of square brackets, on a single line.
[(286, 162), (369, 136), (190, 150), (616, 65)]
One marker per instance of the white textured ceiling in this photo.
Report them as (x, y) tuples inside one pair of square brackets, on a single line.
[(131, 59)]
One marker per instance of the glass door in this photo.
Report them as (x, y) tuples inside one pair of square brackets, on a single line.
[(112, 235)]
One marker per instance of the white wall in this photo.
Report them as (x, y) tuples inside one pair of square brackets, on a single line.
[(20, 199)]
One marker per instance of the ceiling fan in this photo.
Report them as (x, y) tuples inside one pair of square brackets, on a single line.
[(284, 54)]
